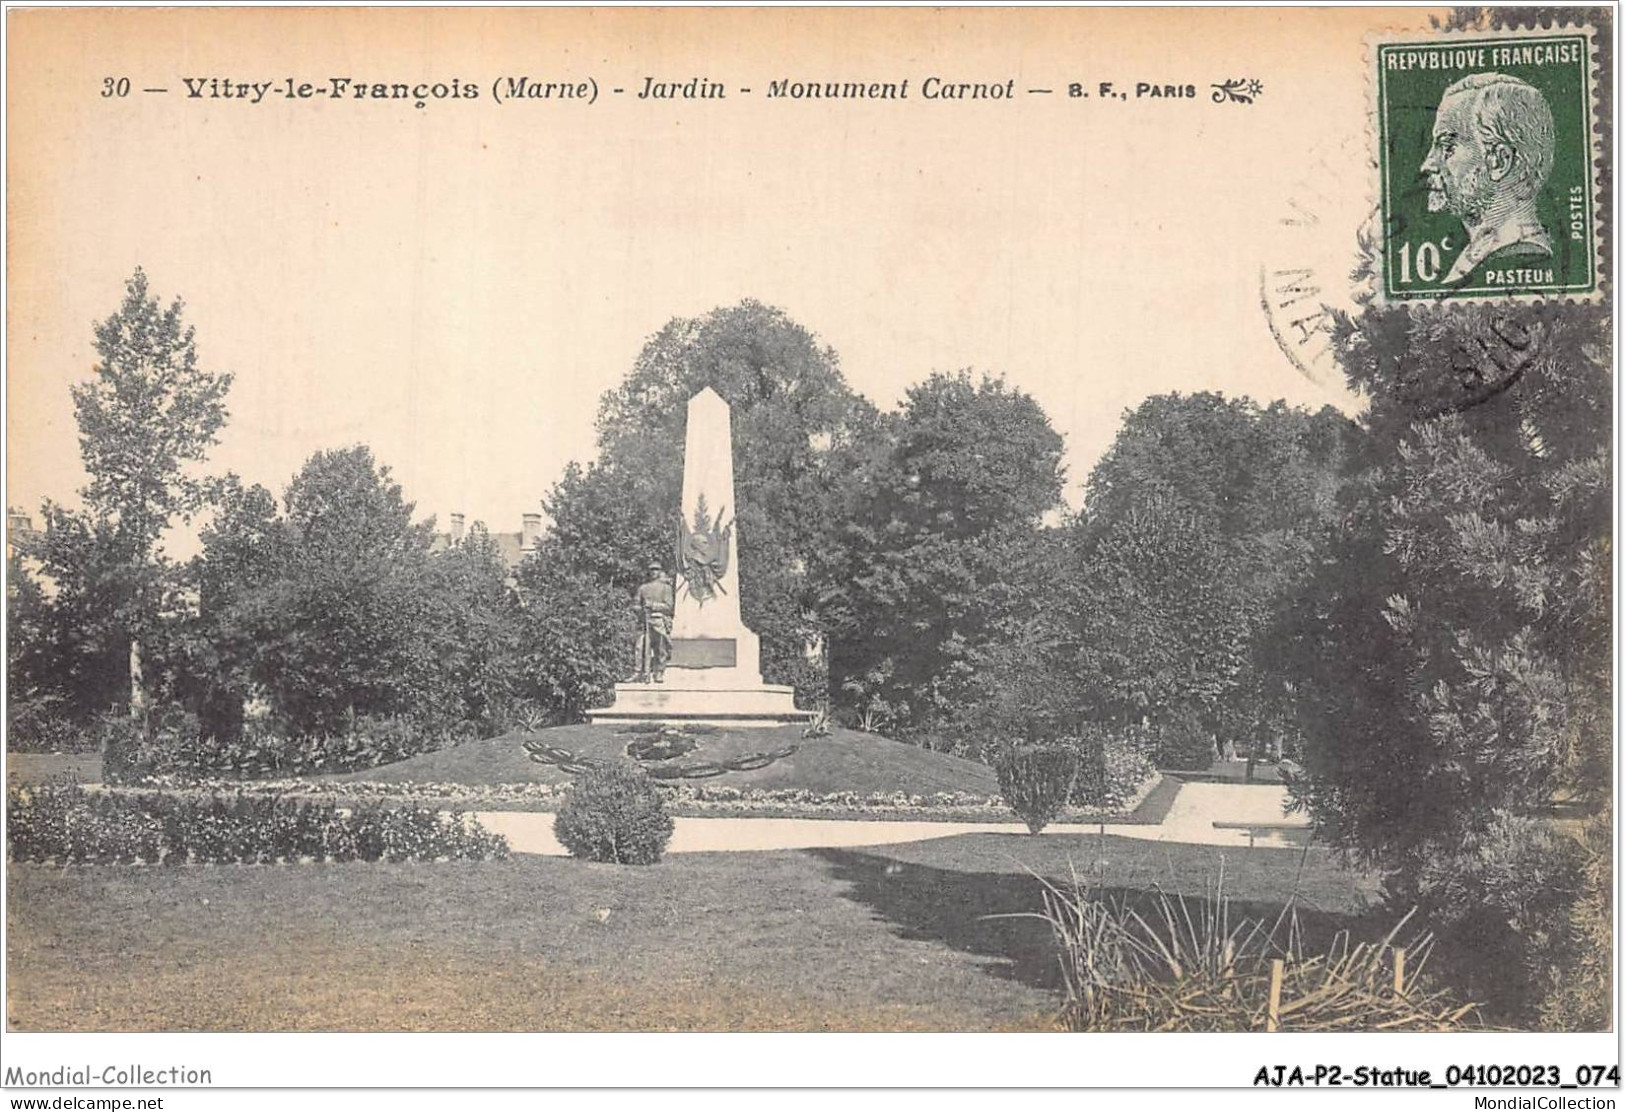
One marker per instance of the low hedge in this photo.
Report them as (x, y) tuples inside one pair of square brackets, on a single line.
[(68, 825)]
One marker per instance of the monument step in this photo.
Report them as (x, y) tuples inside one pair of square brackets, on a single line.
[(756, 705)]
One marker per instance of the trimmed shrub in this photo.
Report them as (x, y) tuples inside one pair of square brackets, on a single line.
[(614, 813), (1036, 781), (67, 825)]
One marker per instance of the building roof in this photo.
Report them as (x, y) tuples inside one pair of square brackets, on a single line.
[(21, 536), (510, 546)]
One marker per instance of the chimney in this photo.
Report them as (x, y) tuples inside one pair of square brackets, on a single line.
[(531, 532), (456, 528)]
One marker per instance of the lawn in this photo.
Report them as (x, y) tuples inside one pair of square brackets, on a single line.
[(41, 768), (886, 938)]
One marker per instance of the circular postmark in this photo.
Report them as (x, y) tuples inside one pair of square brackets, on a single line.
[(1490, 348), (1314, 254), (1322, 260)]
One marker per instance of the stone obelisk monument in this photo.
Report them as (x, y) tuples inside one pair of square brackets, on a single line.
[(709, 642), (715, 673)]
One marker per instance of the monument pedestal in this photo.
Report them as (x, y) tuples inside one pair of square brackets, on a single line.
[(717, 684), (714, 675), (714, 703)]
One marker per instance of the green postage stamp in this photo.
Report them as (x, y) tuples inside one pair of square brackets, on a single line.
[(1487, 165)]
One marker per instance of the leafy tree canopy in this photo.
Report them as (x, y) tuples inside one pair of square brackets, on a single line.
[(1453, 650), (147, 412), (1202, 518), (938, 544)]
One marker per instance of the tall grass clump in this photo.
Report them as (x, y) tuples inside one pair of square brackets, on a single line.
[(1179, 963)]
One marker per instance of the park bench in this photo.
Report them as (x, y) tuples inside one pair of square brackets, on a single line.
[(1253, 829)]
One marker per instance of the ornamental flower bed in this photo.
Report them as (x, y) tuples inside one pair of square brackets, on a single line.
[(69, 825), (694, 799), (171, 748)]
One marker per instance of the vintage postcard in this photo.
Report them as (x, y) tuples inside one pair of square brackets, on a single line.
[(544, 522)]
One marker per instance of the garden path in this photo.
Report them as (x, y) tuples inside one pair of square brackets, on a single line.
[(1190, 821)]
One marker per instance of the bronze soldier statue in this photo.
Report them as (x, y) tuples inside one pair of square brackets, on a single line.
[(656, 601)]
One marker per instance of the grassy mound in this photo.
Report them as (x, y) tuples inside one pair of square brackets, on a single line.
[(844, 761)]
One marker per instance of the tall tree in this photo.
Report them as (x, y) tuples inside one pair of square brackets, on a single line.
[(1204, 516), (147, 413), (344, 626), (1160, 614), (1453, 653), (246, 547), (940, 525), (146, 417), (1248, 470), (341, 605), (474, 632), (82, 659), (1467, 596), (575, 638), (34, 666)]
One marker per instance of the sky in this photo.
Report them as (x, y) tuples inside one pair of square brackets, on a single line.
[(457, 285)]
